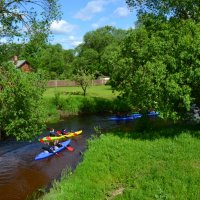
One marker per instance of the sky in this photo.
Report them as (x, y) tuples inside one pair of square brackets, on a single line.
[(82, 16)]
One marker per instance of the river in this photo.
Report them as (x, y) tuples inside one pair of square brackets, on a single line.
[(21, 175)]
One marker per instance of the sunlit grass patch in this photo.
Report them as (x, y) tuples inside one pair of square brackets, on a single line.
[(123, 168)]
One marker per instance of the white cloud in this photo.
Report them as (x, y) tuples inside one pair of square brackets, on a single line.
[(76, 43), (62, 27), (69, 42), (104, 21), (3, 40), (92, 8), (122, 12)]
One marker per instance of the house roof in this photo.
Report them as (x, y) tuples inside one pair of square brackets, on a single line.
[(20, 63)]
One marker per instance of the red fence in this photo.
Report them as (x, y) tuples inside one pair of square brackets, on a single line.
[(63, 83)]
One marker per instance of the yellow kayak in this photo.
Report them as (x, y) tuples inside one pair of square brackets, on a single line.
[(61, 137)]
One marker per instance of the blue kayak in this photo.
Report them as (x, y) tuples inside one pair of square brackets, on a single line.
[(129, 117), (153, 113), (134, 116), (46, 154)]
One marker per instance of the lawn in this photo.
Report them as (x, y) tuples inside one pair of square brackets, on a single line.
[(104, 91), (127, 166)]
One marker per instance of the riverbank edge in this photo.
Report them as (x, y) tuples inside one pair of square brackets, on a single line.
[(139, 166)]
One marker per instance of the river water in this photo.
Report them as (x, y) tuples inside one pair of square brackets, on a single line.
[(21, 175)]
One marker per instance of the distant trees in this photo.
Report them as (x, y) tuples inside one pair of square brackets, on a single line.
[(54, 61), (94, 49), (94, 54)]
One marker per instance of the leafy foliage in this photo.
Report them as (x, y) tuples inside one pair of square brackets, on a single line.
[(84, 79), (92, 53), (22, 113), (185, 9), (20, 15), (158, 67)]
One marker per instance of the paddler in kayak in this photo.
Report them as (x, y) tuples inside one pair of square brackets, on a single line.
[(48, 147), (51, 147), (64, 131), (52, 132)]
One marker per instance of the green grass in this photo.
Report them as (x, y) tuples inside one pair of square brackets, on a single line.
[(63, 101), (104, 91), (128, 165)]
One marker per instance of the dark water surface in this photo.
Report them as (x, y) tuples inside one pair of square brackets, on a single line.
[(20, 175)]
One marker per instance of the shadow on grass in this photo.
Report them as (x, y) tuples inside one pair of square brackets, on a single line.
[(155, 128)]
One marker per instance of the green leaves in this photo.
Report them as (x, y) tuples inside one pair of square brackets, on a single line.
[(84, 79), (18, 15), (22, 113), (185, 9), (93, 54), (158, 67)]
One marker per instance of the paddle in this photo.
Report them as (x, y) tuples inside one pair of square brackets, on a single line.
[(70, 148), (57, 154)]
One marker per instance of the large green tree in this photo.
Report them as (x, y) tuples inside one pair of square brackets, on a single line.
[(158, 66), (22, 113)]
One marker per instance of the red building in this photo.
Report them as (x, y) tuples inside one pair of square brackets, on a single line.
[(23, 65)]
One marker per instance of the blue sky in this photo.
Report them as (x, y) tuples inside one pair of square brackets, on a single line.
[(81, 16)]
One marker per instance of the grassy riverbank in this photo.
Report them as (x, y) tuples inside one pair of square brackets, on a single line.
[(162, 164), (63, 101)]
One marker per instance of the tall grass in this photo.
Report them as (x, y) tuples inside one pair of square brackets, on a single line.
[(116, 166)]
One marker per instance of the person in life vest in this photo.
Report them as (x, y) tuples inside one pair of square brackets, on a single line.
[(63, 131), (52, 132), (48, 148), (57, 144)]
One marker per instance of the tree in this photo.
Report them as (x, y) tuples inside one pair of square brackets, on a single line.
[(7, 51), (18, 15), (161, 57), (94, 47), (109, 58), (84, 79), (185, 9), (159, 67), (54, 60), (22, 113), (88, 61)]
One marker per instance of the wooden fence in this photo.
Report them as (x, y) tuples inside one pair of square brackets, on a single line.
[(63, 83)]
